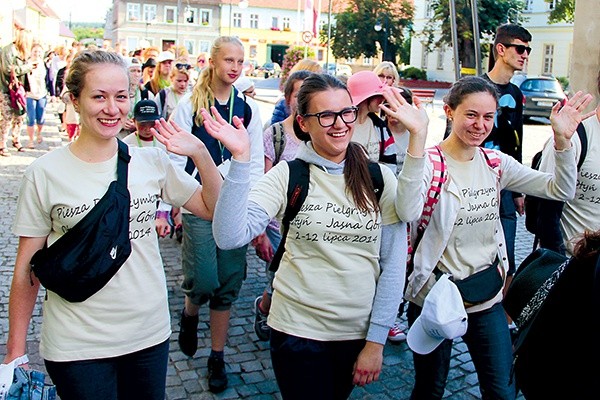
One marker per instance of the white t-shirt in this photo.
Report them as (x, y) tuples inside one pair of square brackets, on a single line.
[(325, 285), (131, 312), (368, 135)]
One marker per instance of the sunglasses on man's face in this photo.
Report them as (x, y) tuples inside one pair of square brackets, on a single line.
[(181, 66), (519, 48)]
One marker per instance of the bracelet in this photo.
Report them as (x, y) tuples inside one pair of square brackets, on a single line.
[(162, 214)]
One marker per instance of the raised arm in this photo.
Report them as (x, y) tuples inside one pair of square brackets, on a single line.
[(565, 119), (413, 117), (176, 140)]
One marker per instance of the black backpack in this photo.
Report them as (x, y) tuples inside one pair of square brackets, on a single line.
[(296, 194), (542, 216)]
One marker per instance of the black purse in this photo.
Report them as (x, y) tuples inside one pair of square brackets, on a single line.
[(481, 286), (83, 260)]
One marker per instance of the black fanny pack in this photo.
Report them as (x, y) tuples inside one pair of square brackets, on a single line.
[(481, 286), (85, 258)]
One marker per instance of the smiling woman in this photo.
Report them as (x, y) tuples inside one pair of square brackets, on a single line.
[(101, 358)]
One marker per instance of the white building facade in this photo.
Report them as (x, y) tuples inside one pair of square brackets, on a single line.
[(552, 45)]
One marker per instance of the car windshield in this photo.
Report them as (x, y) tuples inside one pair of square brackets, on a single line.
[(541, 85)]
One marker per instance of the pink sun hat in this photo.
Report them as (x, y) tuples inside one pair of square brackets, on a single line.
[(364, 84)]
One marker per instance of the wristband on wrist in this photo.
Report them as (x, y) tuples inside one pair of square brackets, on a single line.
[(162, 214)]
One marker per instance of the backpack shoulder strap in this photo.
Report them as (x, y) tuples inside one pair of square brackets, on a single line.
[(144, 94), (278, 141), (376, 178), (438, 179), (299, 177), (584, 144), (492, 159)]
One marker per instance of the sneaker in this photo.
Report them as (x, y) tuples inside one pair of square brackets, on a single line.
[(217, 377), (396, 333), (188, 334), (262, 330)]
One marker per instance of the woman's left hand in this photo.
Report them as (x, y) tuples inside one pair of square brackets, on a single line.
[(565, 118), (368, 364), (234, 137), (175, 139)]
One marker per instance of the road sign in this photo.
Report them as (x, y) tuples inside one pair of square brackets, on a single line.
[(307, 36)]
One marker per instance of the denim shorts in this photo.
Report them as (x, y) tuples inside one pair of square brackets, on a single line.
[(210, 274)]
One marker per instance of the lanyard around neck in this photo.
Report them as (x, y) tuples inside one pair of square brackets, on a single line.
[(137, 136), (230, 119)]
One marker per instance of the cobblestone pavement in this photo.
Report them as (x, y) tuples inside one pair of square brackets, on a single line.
[(249, 366)]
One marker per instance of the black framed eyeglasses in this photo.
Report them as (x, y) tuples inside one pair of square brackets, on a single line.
[(519, 48), (181, 66), (328, 118)]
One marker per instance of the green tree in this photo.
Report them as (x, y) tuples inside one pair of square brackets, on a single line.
[(354, 35), (492, 13), (564, 11), (87, 32)]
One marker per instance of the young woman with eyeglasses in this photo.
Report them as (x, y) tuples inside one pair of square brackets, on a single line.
[(338, 286)]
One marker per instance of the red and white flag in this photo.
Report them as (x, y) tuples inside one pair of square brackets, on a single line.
[(311, 17)]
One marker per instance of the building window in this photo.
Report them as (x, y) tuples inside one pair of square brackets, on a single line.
[(350, 61), (428, 9), (191, 15), (286, 23), (170, 14), (254, 21), (205, 16), (133, 12), (203, 46), (548, 58), (320, 55), (132, 43), (440, 58), (149, 12), (189, 46), (551, 4), (367, 61), (529, 5), (237, 20), (424, 57), (274, 22)]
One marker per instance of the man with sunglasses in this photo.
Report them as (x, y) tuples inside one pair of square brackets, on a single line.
[(511, 51)]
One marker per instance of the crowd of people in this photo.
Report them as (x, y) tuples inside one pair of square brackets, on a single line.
[(353, 215)]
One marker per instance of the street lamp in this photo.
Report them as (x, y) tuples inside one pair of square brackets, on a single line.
[(379, 28), (508, 15), (243, 4)]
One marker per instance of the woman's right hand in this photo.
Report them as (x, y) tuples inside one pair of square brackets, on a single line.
[(175, 139), (234, 137)]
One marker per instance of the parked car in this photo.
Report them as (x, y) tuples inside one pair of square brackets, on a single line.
[(270, 69), (250, 67), (337, 69), (540, 94)]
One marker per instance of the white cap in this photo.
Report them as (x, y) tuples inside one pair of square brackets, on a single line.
[(443, 317), (243, 83), (164, 56)]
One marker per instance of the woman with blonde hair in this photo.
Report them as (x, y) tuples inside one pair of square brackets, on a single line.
[(160, 76), (114, 344), (212, 275), (14, 59), (387, 72), (168, 98)]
